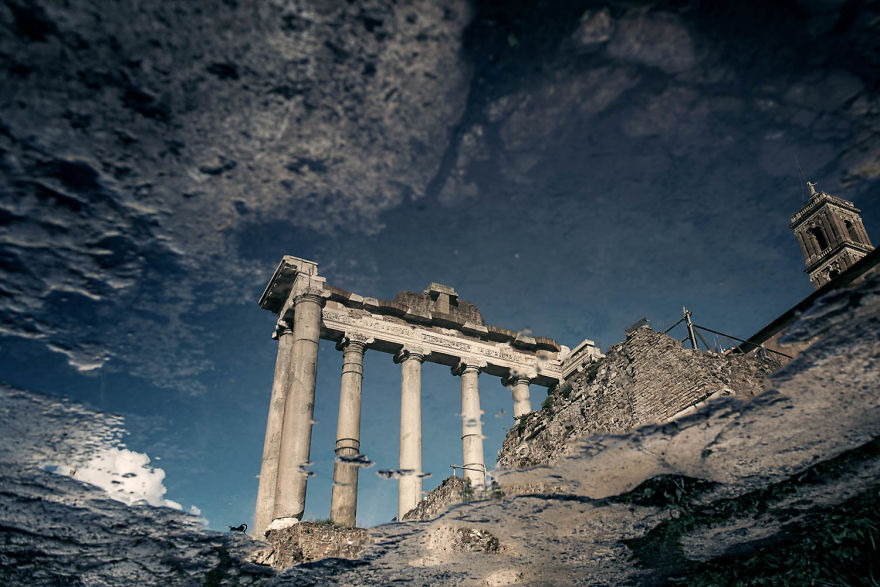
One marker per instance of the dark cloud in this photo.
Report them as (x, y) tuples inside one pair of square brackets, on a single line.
[(156, 157)]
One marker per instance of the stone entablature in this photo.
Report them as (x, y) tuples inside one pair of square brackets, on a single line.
[(425, 309), (451, 329), (579, 357), (446, 348)]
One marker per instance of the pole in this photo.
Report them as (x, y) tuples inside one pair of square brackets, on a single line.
[(690, 327)]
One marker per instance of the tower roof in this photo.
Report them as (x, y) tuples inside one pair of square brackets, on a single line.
[(816, 201)]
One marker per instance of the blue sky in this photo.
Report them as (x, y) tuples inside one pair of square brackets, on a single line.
[(568, 171)]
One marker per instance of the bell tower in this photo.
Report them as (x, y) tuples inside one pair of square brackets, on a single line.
[(831, 235)]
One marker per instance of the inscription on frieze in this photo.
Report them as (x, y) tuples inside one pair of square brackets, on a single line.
[(444, 342), (405, 334), (372, 324)]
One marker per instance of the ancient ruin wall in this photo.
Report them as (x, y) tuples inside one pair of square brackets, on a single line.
[(453, 490), (311, 541), (647, 378)]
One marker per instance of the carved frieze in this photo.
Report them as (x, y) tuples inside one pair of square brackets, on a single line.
[(474, 350)]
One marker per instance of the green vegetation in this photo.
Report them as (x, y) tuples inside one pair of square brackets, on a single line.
[(554, 394), (565, 391), (592, 370)]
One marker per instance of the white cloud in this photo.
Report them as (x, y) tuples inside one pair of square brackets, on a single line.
[(127, 476), (43, 432)]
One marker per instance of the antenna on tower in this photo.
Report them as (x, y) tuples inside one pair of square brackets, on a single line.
[(800, 170)]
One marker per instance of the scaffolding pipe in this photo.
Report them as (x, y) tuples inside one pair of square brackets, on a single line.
[(690, 327), (757, 346)]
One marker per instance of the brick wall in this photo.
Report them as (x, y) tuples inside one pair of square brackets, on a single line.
[(647, 378)]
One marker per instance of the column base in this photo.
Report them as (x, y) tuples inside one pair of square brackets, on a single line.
[(281, 523)]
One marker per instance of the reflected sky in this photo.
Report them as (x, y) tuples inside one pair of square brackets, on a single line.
[(567, 169)]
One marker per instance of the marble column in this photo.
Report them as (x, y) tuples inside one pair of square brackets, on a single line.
[(272, 443), (343, 500), (471, 423), (296, 434), (519, 388), (409, 489)]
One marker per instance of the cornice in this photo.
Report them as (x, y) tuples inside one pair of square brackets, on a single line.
[(816, 203)]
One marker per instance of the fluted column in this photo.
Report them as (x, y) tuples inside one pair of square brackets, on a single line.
[(519, 388), (296, 435), (272, 443), (343, 501), (471, 423), (409, 488)]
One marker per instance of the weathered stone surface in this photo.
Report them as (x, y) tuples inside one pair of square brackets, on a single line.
[(453, 490), (311, 541), (647, 378), (452, 539)]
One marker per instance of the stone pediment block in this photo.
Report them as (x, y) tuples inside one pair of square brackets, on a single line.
[(447, 320), (547, 344), (475, 329), (438, 288), (415, 315), (500, 334), (524, 342), (392, 308), (347, 298)]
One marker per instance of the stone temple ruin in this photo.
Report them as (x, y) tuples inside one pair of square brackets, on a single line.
[(433, 326), (439, 327)]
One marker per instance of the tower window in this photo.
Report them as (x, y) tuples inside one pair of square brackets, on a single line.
[(851, 229), (819, 235)]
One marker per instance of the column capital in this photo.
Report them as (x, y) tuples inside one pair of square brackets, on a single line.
[(514, 378), (309, 296), (354, 340), (282, 328), (468, 366), (305, 287), (411, 352)]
